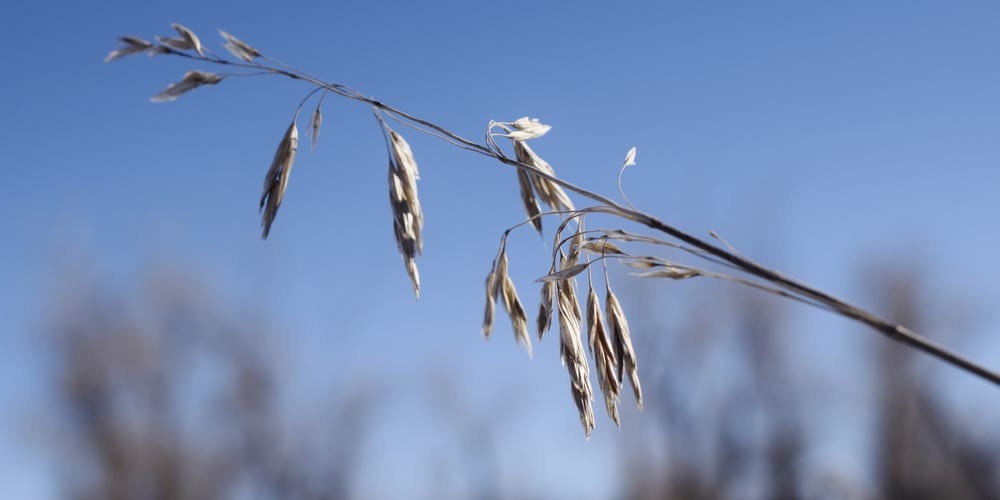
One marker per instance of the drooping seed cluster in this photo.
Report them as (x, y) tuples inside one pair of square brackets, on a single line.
[(499, 285), (407, 216), (608, 336), (611, 346)]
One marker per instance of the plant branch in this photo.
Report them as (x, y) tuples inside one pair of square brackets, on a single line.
[(783, 285)]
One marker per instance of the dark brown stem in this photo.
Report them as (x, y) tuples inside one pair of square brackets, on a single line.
[(802, 291)]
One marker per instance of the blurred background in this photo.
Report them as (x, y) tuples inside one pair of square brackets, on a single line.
[(157, 348)]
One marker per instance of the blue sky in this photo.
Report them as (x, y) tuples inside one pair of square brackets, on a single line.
[(816, 134)]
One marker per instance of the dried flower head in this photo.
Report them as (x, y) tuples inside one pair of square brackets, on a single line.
[(191, 80), (276, 180)]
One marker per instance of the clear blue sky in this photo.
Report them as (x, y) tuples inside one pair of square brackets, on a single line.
[(813, 133)]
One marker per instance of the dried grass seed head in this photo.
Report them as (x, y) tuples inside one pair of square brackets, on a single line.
[(405, 227), (603, 355), (191, 80), (573, 357), (315, 122), (238, 48), (494, 280), (518, 318), (549, 192), (276, 180), (405, 168), (527, 128), (491, 304), (544, 320), (189, 37), (565, 273), (531, 206), (131, 45), (602, 247), (622, 342), (629, 158), (669, 272)]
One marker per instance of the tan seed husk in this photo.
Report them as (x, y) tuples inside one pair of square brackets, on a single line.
[(528, 199), (175, 43), (494, 285), (315, 123), (518, 318), (189, 37), (565, 273), (622, 343), (602, 247), (239, 48), (549, 192), (670, 272), (191, 80), (276, 180), (545, 307), (406, 169), (132, 45), (603, 355), (573, 357), (491, 303), (527, 128), (404, 226)]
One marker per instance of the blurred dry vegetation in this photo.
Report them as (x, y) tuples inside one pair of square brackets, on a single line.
[(168, 394)]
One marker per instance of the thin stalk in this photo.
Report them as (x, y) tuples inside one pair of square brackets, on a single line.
[(799, 289)]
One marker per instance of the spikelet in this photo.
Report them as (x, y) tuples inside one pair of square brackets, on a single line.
[(191, 80), (603, 355), (406, 212), (529, 200), (238, 48), (315, 122), (518, 318), (622, 342), (187, 41), (669, 272), (629, 158), (276, 180), (406, 169), (527, 128), (132, 45), (545, 307), (571, 351), (491, 304), (494, 280), (602, 247), (565, 273), (190, 37), (549, 192)]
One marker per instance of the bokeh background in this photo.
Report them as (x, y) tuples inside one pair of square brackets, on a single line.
[(155, 347)]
